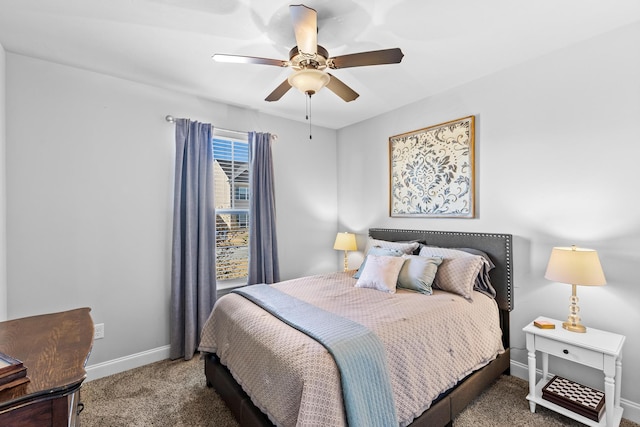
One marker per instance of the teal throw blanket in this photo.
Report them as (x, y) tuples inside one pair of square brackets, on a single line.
[(358, 353)]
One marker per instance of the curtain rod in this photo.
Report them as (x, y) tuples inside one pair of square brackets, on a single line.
[(169, 118)]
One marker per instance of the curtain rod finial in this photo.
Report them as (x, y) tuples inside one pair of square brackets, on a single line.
[(170, 118)]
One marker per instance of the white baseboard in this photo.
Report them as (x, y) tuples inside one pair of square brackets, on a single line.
[(125, 363), (631, 410)]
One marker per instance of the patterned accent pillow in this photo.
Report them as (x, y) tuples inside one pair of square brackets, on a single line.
[(376, 251), (458, 271), (418, 272), (483, 282), (381, 273)]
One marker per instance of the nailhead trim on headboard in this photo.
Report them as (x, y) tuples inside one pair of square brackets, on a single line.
[(482, 241)]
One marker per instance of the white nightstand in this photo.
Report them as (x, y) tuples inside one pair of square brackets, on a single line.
[(598, 349)]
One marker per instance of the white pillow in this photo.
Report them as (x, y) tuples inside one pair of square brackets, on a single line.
[(381, 273), (376, 250)]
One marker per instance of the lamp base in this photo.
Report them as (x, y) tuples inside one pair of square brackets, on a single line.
[(574, 327), (573, 321)]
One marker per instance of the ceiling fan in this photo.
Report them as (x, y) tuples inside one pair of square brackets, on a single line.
[(310, 61)]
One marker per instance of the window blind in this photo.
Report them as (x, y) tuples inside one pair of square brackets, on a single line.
[(231, 186)]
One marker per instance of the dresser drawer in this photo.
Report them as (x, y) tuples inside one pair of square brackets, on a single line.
[(570, 352)]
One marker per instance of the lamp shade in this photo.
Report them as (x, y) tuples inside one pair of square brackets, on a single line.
[(345, 242), (309, 80), (575, 266)]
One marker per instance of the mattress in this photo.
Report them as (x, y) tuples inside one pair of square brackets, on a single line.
[(431, 343)]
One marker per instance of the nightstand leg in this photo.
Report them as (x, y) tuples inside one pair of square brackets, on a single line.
[(612, 369), (532, 379), (545, 366), (609, 392), (619, 377)]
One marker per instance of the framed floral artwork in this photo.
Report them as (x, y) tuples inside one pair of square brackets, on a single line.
[(432, 171)]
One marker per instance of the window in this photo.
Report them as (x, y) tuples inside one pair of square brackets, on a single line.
[(231, 178), (242, 193)]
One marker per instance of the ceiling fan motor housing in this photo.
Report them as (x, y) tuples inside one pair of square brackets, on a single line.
[(300, 60)]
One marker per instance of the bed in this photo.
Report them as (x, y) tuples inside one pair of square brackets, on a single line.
[(233, 355)]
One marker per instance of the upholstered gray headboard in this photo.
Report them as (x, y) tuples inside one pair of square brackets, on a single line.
[(497, 246)]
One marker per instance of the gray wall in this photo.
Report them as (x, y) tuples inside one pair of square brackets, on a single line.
[(3, 194), (90, 163), (557, 150)]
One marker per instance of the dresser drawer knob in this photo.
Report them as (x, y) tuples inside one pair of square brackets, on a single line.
[(565, 351)]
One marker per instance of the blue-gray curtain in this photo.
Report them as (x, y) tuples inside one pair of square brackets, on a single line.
[(263, 245), (193, 273)]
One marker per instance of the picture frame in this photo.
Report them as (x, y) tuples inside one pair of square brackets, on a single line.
[(8, 365), (12, 372), (432, 171)]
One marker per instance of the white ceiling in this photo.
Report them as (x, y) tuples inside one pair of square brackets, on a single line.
[(169, 43)]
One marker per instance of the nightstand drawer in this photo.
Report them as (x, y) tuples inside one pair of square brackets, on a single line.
[(570, 352)]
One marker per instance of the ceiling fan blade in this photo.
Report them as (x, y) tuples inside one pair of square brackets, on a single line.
[(342, 90), (239, 59), (374, 57), (279, 91), (305, 26)]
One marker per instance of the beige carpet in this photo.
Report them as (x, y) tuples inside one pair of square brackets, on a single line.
[(174, 394)]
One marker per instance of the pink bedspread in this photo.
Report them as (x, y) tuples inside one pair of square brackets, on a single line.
[(431, 343)]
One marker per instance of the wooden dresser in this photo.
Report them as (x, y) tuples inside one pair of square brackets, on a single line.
[(54, 348)]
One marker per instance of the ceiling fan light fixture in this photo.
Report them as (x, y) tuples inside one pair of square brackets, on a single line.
[(309, 80)]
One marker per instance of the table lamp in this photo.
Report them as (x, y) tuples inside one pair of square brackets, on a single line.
[(345, 242), (575, 266)]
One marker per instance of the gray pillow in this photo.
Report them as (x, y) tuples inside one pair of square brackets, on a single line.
[(483, 281), (418, 272), (405, 247)]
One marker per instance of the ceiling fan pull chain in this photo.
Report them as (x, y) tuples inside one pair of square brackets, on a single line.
[(308, 105)]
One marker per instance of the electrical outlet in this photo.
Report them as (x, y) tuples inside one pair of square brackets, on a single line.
[(98, 331)]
